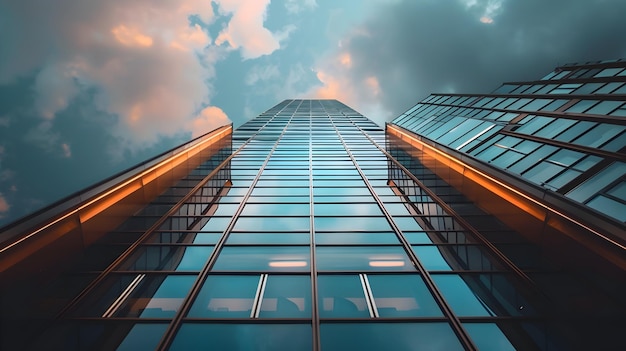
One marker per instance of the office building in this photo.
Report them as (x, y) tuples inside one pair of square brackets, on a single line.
[(491, 222)]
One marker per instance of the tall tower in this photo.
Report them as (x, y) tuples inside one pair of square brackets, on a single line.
[(311, 228)]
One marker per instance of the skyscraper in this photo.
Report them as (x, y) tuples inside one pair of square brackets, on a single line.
[(472, 222)]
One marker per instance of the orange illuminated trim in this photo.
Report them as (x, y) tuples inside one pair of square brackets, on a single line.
[(487, 181), (110, 196)]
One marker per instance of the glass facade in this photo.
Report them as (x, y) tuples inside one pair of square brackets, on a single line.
[(565, 133), (311, 228)]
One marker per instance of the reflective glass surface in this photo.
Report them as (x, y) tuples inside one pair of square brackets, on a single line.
[(288, 337), (388, 336)]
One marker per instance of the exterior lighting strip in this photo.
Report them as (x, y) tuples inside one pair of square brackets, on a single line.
[(403, 135), (120, 187)]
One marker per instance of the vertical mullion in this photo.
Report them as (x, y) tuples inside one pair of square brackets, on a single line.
[(170, 333), (369, 297), (461, 333), (258, 297), (314, 306), (131, 249), (123, 296)]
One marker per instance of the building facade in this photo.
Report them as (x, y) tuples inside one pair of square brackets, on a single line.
[(461, 226)]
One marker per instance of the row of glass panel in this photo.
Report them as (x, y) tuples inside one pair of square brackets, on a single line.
[(296, 336), (263, 296), (237, 255), (565, 88), (581, 73)]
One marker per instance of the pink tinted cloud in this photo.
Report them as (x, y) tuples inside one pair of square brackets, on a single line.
[(140, 55), (4, 205), (245, 29), (339, 81), (209, 118)]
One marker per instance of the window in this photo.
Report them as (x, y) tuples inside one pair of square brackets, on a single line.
[(373, 296), (263, 259), (254, 296), (288, 337), (388, 336), (362, 258)]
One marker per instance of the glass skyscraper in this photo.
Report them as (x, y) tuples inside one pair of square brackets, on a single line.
[(491, 222)]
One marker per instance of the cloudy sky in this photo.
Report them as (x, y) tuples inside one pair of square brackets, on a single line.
[(89, 88)]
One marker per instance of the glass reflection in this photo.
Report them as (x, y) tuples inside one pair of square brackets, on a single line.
[(341, 296), (225, 297), (286, 296), (263, 259), (402, 296), (168, 258), (362, 258), (388, 336), (288, 337)]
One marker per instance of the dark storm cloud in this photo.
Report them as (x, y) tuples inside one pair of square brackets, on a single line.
[(418, 47)]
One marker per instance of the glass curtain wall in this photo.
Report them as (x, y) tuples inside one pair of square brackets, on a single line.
[(316, 240)]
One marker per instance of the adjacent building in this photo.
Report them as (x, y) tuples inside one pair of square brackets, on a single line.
[(491, 222)]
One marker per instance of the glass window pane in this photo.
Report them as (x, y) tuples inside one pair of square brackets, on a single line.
[(183, 237), (275, 209), (168, 258), (599, 135), (143, 337), (566, 157), (587, 189), (563, 178), (605, 107), (356, 238), (263, 259), (388, 336), (619, 190), (556, 127), (347, 209), (351, 224), (575, 130), (224, 296), (488, 337), (588, 88), (417, 238), (609, 207), (268, 238), (402, 296), (200, 336), (431, 258), (407, 224), (542, 172), (608, 72), (363, 258), (286, 296), (137, 295), (463, 301), (582, 106), (341, 296), (272, 224), (164, 302)]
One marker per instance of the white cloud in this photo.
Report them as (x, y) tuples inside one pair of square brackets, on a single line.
[(209, 118), (297, 6), (245, 29), (338, 81), (140, 56), (260, 73)]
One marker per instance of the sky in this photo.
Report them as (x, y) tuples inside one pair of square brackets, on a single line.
[(90, 88)]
